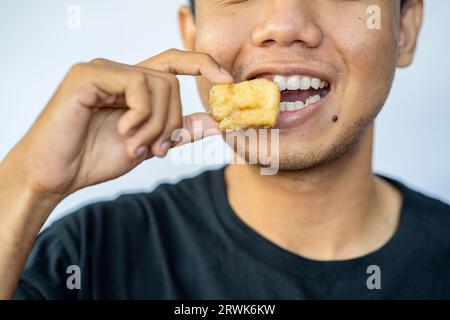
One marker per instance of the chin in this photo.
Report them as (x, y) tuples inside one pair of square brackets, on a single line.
[(295, 156)]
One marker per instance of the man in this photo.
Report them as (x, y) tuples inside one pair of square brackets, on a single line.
[(324, 227)]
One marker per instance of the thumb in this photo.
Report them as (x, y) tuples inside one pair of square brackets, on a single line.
[(196, 126)]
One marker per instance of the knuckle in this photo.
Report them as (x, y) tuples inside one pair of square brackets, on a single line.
[(77, 68), (207, 61), (163, 84), (174, 81), (172, 51), (139, 78), (99, 61), (206, 57)]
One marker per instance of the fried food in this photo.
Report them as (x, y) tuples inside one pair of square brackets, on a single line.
[(245, 104)]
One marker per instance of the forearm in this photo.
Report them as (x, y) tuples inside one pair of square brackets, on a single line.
[(22, 214)]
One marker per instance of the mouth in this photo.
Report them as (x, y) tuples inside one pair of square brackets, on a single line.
[(298, 91), (304, 91)]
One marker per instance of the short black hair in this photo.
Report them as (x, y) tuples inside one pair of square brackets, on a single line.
[(192, 4)]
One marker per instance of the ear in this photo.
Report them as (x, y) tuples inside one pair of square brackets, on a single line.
[(186, 23), (410, 23)]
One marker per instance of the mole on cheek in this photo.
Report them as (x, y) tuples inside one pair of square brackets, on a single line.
[(335, 118)]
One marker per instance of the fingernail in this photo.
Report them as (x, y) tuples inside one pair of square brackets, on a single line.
[(141, 151), (165, 146)]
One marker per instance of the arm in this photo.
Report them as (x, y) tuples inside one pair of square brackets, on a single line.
[(104, 119), (22, 214)]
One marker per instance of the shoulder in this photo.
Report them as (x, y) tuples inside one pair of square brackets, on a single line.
[(430, 238), (430, 209), (420, 202), (430, 215)]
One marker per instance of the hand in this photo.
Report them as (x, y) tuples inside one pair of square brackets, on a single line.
[(106, 118)]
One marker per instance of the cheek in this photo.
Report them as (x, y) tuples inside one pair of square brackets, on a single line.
[(369, 59), (222, 40)]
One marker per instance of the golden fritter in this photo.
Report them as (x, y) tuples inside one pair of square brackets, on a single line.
[(245, 104)]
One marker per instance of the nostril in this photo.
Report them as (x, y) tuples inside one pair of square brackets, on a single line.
[(268, 43)]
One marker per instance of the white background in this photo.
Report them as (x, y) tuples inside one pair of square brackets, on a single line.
[(37, 48)]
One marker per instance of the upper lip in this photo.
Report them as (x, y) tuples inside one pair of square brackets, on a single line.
[(286, 69)]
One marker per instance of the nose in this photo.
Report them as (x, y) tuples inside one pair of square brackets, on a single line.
[(287, 22)]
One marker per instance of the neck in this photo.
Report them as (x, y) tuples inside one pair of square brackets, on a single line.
[(332, 212)]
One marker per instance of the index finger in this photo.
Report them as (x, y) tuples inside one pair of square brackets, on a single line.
[(188, 63)]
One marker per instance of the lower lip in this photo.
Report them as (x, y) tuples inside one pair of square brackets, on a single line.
[(293, 119)]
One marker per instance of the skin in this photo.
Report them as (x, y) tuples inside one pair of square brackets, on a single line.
[(105, 118), (326, 165)]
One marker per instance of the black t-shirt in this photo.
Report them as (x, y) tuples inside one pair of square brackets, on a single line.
[(184, 241)]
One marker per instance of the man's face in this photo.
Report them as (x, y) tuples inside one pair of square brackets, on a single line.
[(330, 40)]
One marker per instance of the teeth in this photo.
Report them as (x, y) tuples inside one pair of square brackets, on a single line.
[(293, 83), (315, 83), (316, 98), (281, 81), (305, 83), (297, 82), (290, 106), (299, 105), (313, 99), (293, 106)]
